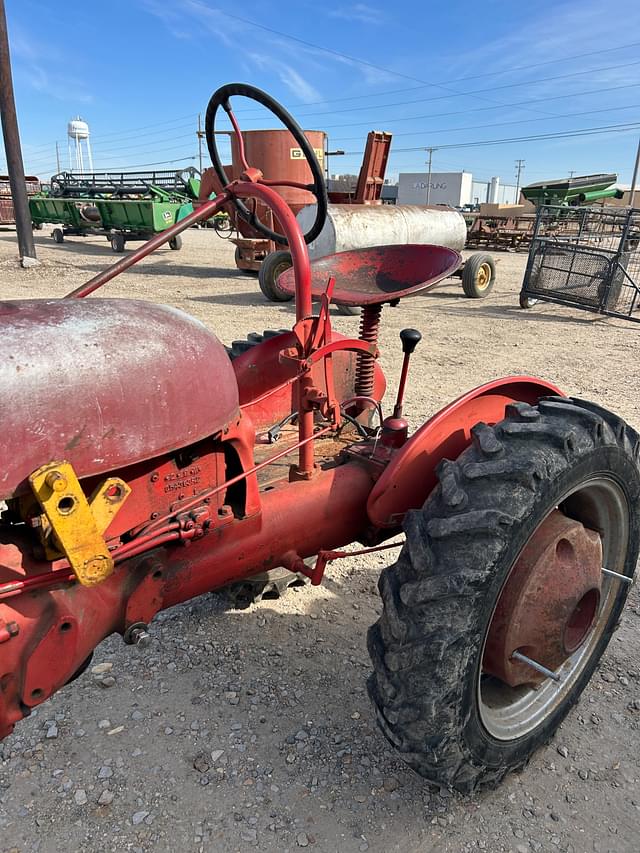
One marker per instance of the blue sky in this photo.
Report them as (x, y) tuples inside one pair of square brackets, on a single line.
[(434, 74)]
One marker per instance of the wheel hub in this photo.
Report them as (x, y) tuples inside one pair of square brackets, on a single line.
[(549, 603), (484, 276)]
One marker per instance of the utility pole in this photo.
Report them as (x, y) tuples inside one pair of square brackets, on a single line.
[(430, 150), (634, 180), (519, 167), (58, 158), (15, 166), (200, 135), (572, 173), (337, 153)]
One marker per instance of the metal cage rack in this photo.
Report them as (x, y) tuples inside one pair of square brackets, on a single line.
[(585, 257)]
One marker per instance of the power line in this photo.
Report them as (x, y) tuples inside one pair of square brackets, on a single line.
[(143, 144), (144, 165), (478, 109), (497, 105), (41, 159), (353, 59), (118, 134), (102, 151), (131, 130), (121, 157), (514, 69), (378, 67), (342, 139), (125, 149), (478, 91), (591, 131), (497, 124), (117, 169)]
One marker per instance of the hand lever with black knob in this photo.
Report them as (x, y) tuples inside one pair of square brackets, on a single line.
[(410, 339)]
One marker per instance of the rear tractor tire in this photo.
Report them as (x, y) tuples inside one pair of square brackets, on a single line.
[(273, 266), (467, 579), (478, 276)]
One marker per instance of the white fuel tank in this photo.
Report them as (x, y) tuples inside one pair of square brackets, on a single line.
[(358, 226)]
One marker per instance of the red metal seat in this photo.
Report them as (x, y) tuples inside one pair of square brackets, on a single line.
[(379, 274)]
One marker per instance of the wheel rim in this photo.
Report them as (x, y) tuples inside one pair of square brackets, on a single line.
[(483, 276), (281, 267), (508, 713)]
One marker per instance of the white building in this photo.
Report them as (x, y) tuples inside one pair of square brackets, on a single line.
[(452, 188)]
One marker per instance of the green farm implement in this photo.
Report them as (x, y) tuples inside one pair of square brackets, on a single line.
[(573, 191), (123, 206)]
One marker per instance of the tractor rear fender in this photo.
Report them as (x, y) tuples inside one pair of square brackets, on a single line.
[(411, 475)]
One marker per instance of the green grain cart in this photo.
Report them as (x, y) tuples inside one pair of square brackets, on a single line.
[(570, 192)]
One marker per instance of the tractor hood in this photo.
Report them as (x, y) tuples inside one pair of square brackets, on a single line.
[(104, 383)]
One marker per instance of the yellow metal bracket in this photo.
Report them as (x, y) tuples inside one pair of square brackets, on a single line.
[(77, 524)]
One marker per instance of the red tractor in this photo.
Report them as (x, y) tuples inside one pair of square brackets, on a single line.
[(130, 434)]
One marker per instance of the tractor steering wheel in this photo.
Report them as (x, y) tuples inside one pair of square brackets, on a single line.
[(220, 98)]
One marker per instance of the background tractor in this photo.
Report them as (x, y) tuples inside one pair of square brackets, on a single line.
[(131, 434)]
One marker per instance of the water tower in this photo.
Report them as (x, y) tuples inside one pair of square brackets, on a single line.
[(78, 132)]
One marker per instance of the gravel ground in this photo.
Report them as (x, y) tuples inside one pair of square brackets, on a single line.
[(251, 729)]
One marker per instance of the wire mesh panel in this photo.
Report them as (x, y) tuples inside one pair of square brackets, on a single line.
[(586, 257)]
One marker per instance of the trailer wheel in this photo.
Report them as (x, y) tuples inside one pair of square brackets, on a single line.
[(58, 235), (527, 301), (175, 243), (478, 276), (273, 266), (542, 500), (117, 243)]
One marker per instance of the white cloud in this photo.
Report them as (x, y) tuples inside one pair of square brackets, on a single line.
[(294, 81), (570, 28), (212, 21), (170, 17), (359, 12)]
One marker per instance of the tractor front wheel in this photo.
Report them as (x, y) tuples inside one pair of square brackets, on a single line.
[(498, 609)]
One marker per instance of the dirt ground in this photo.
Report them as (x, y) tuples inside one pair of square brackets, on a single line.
[(251, 729)]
